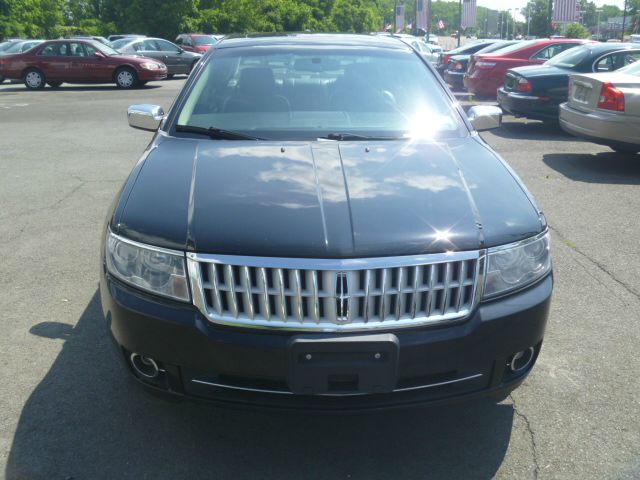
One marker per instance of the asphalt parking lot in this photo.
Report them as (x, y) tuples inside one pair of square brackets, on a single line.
[(68, 411)]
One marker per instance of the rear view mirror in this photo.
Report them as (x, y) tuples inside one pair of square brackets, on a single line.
[(145, 117), (485, 117)]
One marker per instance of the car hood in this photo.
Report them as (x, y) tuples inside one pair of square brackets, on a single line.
[(324, 199), (533, 71)]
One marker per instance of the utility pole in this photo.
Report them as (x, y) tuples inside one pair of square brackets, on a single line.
[(395, 13), (624, 20), (460, 20), (428, 20), (550, 18), (598, 25), (415, 19)]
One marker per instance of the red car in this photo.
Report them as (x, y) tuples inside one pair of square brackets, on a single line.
[(196, 42), (487, 71), (79, 61)]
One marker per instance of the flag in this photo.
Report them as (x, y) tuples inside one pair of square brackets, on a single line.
[(423, 14), (469, 9), (440, 24), (565, 11), (399, 18)]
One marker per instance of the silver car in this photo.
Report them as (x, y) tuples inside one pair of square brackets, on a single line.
[(604, 108), (175, 58), (429, 51)]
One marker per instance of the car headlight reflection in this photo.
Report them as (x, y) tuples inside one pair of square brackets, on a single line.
[(512, 267), (156, 270)]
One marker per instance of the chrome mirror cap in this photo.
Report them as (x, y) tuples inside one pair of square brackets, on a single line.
[(145, 117), (485, 117)]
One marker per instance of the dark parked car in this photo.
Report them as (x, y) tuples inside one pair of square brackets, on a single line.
[(317, 224), (79, 61), (196, 42), (486, 72), (175, 58), (537, 91), (457, 64), (466, 49)]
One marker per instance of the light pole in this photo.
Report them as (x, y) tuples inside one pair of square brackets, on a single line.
[(598, 24), (624, 20)]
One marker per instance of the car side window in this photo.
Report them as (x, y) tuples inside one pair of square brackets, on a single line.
[(54, 50), (187, 42), (76, 50), (91, 52), (616, 61), (148, 46), (166, 46), (179, 41), (553, 50)]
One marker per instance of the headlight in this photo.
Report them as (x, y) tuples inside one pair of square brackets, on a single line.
[(514, 266), (156, 270), (150, 66)]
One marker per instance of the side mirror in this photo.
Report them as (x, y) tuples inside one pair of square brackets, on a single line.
[(99, 55), (485, 117), (145, 117)]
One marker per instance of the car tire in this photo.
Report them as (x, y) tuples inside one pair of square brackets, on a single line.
[(54, 84), (126, 78), (34, 79), (626, 149), (169, 76), (193, 65), (1, 79)]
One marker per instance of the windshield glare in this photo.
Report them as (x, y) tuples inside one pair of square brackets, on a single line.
[(295, 93), (570, 58), (632, 69), (107, 50)]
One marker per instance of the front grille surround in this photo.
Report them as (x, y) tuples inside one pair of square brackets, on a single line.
[(330, 295)]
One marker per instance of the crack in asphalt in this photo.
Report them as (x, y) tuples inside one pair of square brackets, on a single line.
[(534, 447), (600, 266)]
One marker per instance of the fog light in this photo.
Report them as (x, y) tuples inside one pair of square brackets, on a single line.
[(521, 360), (144, 366)]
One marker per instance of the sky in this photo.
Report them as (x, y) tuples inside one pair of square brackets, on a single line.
[(504, 4), (511, 4)]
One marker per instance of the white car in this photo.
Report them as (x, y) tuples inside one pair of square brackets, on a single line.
[(429, 51)]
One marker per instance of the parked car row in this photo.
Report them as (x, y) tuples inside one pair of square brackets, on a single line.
[(592, 89)]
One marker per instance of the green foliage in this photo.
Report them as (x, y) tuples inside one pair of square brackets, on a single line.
[(575, 30)]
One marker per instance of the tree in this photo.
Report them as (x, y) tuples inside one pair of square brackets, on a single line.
[(575, 30), (538, 12)]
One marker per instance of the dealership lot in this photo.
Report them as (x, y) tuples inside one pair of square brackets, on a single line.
[(69, 411)]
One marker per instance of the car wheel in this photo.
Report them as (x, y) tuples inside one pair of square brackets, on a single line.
[(193, 65), (54, 84), (34, 79), (126, 78), (1, 79), (170, 76), (626, 149)]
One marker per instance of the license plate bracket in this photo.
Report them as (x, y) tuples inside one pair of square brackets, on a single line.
[(345, 365)]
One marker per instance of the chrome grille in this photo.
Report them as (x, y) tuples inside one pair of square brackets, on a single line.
[(330, 295)]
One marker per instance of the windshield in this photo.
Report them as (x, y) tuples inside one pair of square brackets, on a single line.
[(632, 69), (309, 93), (107, 50), (570, 58), (118, 44), (468, 48), (497, 47), (199, 41), (15, 47), (516, 46)]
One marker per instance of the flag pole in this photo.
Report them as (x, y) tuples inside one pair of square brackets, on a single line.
[(459, 20), (428, 20), (415, 18)]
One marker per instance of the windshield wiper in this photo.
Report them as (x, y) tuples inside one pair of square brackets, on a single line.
[(354, 136), (216, 133)]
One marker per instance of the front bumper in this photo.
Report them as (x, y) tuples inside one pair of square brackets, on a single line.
[(152, 75), (529, 106), (243, 366), (605, 128)]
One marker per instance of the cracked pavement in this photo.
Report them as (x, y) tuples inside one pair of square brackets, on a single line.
[(67, 410)]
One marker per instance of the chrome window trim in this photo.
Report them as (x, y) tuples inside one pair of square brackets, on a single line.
[(286, 392), (198, 292)]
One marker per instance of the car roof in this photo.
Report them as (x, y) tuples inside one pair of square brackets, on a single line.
[(607, 47), (314, 39)]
